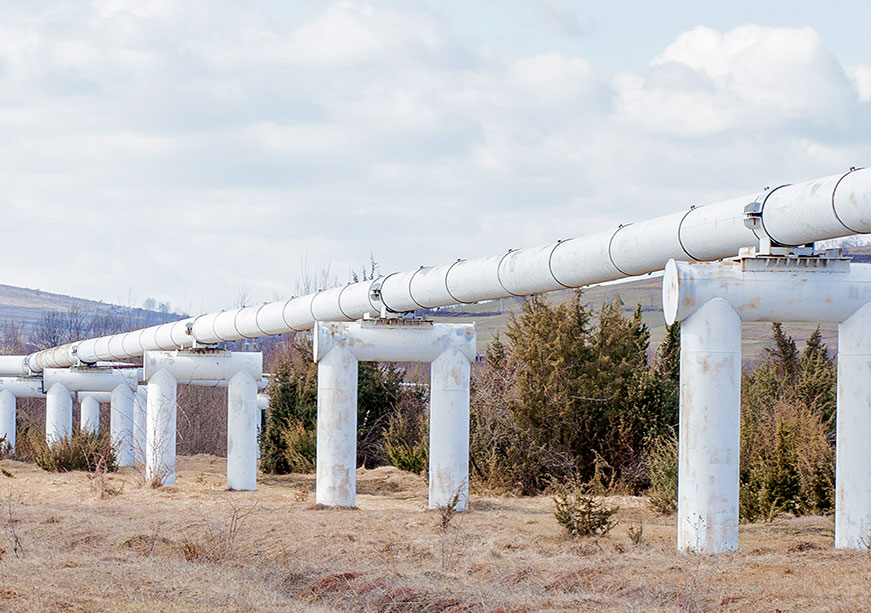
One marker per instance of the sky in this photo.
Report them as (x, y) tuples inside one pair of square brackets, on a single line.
[(200, 152)]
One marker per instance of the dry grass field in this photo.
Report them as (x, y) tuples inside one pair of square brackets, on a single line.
[(73, 543)]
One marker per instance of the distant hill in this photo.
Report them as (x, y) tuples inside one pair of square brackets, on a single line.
[(27, 309)]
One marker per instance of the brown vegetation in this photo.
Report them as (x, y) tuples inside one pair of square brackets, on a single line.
[(199, 547)]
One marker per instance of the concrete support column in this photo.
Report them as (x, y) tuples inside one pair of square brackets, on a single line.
[(140, 424), (161, 428), (853, 464), (243, 419), (337, 429), (121, 424), (90, 414), (449, 430), (58, 413), (710, 401), (7, 418)]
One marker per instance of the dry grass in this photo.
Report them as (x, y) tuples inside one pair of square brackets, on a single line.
[(199, 547)]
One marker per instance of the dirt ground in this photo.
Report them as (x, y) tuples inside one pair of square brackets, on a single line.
[(198, 547)]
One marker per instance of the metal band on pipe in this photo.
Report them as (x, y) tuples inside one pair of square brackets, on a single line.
[(550, 261), (610, 256), (339, 302), (410, 293), (384, 302), (762, 213), (499, 275), (680, 239), (257, 321), (447, 287), (835, 210)]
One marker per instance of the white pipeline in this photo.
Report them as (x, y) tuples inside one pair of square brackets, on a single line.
[(58, 413), (243, 419), (853, 463), (338, 346), (336, 484), (7, 420), (140, 427), (161, 428), (121, 424), (89, 415), (793, 215), (709, 438)]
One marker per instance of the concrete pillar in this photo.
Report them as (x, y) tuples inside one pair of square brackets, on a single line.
[(449, 430), (710, 401), (243, 418), (58, 413), (121, 424), (140, 424), (337, 429), (161, 428), (90, 414), (7, 418), (853, 464)]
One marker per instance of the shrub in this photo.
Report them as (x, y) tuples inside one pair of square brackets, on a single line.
[(662, 468), (300, 448), (406, 444), (787, 431), (79, 451), (578, 511)]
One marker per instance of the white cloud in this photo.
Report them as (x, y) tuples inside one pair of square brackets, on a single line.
[(750, 77)]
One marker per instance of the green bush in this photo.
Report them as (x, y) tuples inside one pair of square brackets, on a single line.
[(662, 468), (405, 444), (300, 448), (578, 511), (569, 393), (79, 451), (787, 431)]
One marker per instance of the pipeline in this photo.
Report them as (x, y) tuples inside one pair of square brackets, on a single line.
[(790, 215)]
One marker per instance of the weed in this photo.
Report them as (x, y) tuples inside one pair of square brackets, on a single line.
[(636, 533), (11, 521), (579, 512), (75, 452), (450, 531)]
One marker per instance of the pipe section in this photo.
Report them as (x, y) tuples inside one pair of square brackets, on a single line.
[(449, 431), (818, 294), (89, 415), (100, 397), (161, 428), (58, 413), (87, 379), (140, 424), (121, 424), (337, 429), (243, 419), (709, 437), (23, 387), (853, 463), (7, 420), (793, 215), (207, 365), (375, 340)]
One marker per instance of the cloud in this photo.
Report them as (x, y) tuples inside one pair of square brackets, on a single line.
[(751, 77)]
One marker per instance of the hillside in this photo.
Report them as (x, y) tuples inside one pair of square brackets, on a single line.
[(25, 308)]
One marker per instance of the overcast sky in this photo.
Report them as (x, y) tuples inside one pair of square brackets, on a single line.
[(184, 150)]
